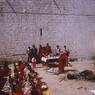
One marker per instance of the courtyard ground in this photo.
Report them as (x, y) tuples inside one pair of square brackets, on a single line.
[(59, 85)]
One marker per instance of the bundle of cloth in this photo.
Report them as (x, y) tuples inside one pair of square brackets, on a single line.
[(84, 75)]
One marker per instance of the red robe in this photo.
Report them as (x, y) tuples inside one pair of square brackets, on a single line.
[(17, 93), (33, 62), (21, 66), (38, 86), (62, 61)]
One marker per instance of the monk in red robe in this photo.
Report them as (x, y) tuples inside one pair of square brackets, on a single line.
[(21, 66), (33, 62), (62, 61), (40, 50), (48, 49)]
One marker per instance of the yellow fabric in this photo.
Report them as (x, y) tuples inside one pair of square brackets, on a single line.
[(46, 92)]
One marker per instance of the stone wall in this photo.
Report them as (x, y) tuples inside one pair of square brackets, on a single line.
[(73, 24)]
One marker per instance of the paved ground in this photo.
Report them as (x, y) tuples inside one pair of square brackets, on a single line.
[(58, 86)]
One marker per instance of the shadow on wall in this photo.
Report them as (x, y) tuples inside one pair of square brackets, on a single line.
[(12, 60), (6, 61)]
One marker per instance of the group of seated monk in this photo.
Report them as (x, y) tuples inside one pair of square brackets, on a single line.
[(25, 81), (45, 51)]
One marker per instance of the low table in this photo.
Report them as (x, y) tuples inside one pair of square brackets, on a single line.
[(51, 62), (50, 59)]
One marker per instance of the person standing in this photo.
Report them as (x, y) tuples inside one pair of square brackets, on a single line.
[(34, 50), (29, 52), (62, 61), (33, 63), (58, 50), (48, 49), (67, 52), (40, 50)]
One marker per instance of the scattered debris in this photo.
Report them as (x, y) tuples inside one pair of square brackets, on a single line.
[(84, 75), (79, 87)]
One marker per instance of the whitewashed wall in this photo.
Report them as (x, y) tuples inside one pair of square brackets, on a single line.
[(76, 28)]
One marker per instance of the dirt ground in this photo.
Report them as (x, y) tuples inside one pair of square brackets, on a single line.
[(59, 85)]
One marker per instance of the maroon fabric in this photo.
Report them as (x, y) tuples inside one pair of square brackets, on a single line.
[(63, 58), (21, 67), (17, 93), (34, 64), (62, 61), (61, 67)]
